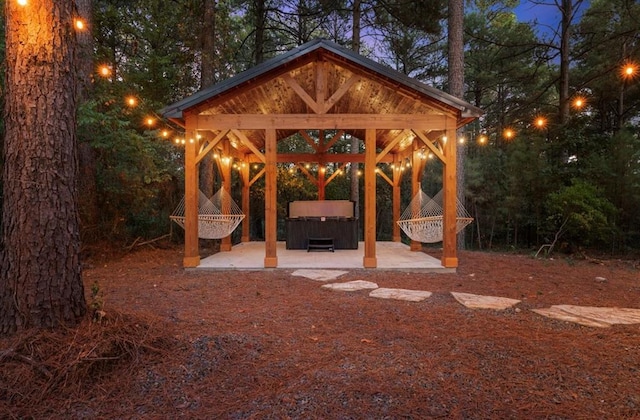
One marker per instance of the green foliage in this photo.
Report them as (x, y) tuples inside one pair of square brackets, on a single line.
[(582, 211), (135, 172)]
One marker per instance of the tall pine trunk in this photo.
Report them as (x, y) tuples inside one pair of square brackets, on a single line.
[(456, 87), (40, 279)]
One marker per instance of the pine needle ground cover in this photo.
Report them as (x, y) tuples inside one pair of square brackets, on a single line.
[(266, 344)]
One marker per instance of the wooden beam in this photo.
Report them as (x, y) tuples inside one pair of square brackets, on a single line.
[(430, 145), (416, 179), (333, 140), (449, 201), (191, 251), (336, 173), (213, 143), (338, 94), (309, 140), (225, 170), (321, 86), (245, 173), (256, 177), (326, 157), (249, 144), (321, 121), (291, 82), (395, 204), (391, 145), (271, 200), (370, 260), (385, 177), (308, 174)]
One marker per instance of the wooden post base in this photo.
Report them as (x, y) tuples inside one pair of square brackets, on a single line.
[(190, 262), (225, 247), (270, 262), (370, 262), (449, 262), (415, 246)]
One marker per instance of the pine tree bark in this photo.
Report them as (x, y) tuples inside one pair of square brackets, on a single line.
[(355, 142), (208, 71), (40, 279), (456, 87)]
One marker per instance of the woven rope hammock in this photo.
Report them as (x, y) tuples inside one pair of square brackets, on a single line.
[(217, 217), (422, 219)]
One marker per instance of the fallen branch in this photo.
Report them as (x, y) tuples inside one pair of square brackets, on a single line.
[(150, 241), (11, 354)]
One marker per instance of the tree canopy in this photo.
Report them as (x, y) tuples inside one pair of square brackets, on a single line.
[(527, 163)]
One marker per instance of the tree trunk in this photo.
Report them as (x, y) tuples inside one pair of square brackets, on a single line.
[(88, 190), (565, 35), (260, 11), (40, 279), (456, 87), (208, 72), (355, 142)]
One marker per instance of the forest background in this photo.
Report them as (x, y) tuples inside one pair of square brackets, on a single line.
[(539, 167)]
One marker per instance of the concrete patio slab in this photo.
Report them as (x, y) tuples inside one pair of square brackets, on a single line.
[(390, 256)]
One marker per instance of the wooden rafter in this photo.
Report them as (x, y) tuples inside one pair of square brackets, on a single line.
[(307, 173), (211, 144), (333, 140), (335, 173), (308, 139), (299, 90), (392, 144), (321, 86), (249, 144), (436, 151), (338, 94), (256, 177)]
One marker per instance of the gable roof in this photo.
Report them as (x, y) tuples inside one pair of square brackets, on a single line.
[(305, 53)]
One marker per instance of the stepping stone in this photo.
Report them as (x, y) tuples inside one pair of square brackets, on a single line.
[(484, 302), (400, 294), (351, 286), (319, 275), (591, 316)]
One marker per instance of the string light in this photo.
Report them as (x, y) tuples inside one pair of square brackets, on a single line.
[(165, 133), (629, 70), (509, 134), (104, 71), (131, 101), (79, 24), (541, 122), (22, 2), (461, 140), (579, 102), (150, 121)]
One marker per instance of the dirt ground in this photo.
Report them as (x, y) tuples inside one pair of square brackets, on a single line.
[(266, 344)]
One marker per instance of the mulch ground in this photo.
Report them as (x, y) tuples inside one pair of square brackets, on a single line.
[(266, 344)]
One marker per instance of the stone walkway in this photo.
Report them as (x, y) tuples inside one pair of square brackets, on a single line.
[(590, 316)]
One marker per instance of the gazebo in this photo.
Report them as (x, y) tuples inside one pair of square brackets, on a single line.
[(321, 86)]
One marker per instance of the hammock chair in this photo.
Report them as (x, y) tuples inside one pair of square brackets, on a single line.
[(422, 219), (217, 217)]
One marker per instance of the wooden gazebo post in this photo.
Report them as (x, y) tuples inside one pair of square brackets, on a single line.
[(370, 260), (225, 169), (191, 251), (449, 213), (245, 172), (270, 199)]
